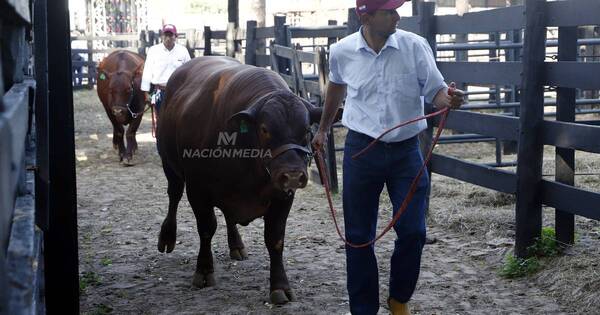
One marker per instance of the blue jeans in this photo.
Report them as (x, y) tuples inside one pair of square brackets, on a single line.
[(395, 165)]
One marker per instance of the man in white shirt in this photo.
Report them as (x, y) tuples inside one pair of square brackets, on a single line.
[(161, 61), (387, 74)]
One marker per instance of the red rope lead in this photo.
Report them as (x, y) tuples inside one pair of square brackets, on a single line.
[(413, 186)]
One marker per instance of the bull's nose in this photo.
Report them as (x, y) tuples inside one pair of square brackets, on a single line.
[(293, 180), (117, 111)]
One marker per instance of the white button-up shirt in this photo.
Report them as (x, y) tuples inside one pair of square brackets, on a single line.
[(161, 63), (388, 88)]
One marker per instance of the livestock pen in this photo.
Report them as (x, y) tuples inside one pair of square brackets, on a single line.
[(96, 240)]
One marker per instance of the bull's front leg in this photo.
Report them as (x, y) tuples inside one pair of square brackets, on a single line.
[(275, 221), (118, 143), (131, 142), (117, 132)]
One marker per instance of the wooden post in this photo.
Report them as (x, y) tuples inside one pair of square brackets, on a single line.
[(529, 163), (510, 147), (251, 43), (415, 7), (427, 30), (42, 173), (60, 241), (331, 156), (495, 97), (353, 22), (281, 39), (207, 41), (143, 44), (565, 111), (234, 46), (91, 70), (331, 40)]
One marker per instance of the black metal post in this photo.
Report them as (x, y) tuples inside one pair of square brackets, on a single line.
[(42, 174), (207, 41), (427, 30), (281, 38), (251, 43), (565, 111)]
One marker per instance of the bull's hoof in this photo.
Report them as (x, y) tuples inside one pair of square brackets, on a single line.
[(166, 240), (203, 280), (280, 296), (238, 254)]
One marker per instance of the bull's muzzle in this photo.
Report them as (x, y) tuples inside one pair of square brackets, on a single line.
[(118, 111), (290, 181)]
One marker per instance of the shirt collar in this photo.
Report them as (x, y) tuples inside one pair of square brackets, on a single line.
[(361, 42)]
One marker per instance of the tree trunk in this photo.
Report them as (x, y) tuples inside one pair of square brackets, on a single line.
[(258, 8)]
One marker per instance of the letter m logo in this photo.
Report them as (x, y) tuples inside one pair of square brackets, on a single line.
[(226, 138)]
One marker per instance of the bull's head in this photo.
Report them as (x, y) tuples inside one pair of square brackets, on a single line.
[(124, 94), (279, 124)]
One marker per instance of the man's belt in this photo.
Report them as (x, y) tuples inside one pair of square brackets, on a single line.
[(160, 86)]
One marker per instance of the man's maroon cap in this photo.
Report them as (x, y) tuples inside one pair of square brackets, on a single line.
[(370, 6), (170, 28)]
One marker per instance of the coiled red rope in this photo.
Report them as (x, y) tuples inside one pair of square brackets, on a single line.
[(413, 186)]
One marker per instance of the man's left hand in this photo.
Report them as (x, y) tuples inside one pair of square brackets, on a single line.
[(451, 97)]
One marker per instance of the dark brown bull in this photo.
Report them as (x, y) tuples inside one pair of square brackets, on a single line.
[(119, 79), (216, 103)]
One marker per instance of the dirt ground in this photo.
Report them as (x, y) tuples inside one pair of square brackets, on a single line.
[(121, 208)]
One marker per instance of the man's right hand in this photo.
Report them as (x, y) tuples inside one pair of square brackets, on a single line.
[(146, 97), (319, 141)]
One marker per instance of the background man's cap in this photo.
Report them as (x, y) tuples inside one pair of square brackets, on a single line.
[(169, 28), (370, 6)]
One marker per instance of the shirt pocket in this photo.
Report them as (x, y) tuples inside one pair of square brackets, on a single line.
[(404, 85)]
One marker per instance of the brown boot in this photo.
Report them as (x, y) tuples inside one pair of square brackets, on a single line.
[(397, 308)]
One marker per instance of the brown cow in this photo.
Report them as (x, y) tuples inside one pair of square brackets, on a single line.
[(215, 105), (119, 79)]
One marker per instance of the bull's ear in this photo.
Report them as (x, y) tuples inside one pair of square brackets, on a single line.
[(243, 120), (139, 70), (314, 113), (102, 75)]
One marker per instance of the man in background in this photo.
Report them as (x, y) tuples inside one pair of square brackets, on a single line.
[(161, 61)]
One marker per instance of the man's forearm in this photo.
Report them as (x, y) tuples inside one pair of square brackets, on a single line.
[(333, 100)]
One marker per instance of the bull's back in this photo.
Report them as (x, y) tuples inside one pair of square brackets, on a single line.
[(201, 96)]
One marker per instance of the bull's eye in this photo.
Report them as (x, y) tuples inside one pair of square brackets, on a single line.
[(264, 134), (264, 131)]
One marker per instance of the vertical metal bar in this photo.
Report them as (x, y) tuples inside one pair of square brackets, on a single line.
[(427, 29), (353, 24), (495, 37), (42, 174), (281, 38), (207, 41), (565, 111), (251, 43)]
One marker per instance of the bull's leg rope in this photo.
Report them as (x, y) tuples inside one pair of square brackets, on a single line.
[(413, 186)]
